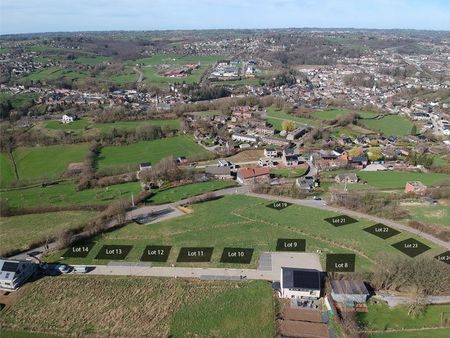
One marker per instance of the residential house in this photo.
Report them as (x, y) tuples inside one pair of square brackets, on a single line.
[(68, 118), (274, 141), (359, 161), (266, 162), (244, 138), (253, 175), (270, 152), (306, 183), (296, 134), (300, 283), (13, 273)]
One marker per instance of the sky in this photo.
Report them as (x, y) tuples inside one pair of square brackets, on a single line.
[(33, 16)]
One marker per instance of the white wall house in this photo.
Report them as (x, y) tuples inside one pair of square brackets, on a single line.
[(244, 138), (14, 273), (67, 119), (300, 283)]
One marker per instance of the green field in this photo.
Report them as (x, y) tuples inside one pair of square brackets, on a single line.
[(381, 317), (389, 125), (240, 221), (54, 73), (113, 306), (6, 170), (150, 151), (155, 66), (335, 113), (18, 232), (128, 125), (398, 179), (35, 163), (430, 214), (65, 194), (19, 100), (188, 190), (289, 172), (276, 118), (92, 60)]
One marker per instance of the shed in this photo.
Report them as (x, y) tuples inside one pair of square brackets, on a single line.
[(349, 292)]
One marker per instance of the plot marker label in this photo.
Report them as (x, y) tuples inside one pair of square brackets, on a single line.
[(195, 254), (156, 253), (286, 244), (338, 221), (278, 205), (237, 255), (340, 262), (118, 252), (79, 250), (411, 247), (444, 257), (382, 231)]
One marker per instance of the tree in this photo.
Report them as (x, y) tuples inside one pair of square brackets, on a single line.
[(288, 125), (374, 154), (414, 130), (355, 152)]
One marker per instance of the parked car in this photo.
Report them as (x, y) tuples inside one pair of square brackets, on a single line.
[(63, 268)]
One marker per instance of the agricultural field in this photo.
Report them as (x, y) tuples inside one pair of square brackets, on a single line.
[(18, 232), (398, 179), (6, 170), (154, 67), (156, 307), (240, 221), (92, 60), (381, 317), (18, 101), (65, 194), (389, 125), (276, 118), (335, 113), (75, 125), (188, 190), (150, 151), (35, 163)]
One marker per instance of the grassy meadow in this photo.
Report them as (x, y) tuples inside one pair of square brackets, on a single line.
[(6, 170), (389, 125), (398, 179), (276, 118), (65, 194), (335, 113), (18, 232), (150, 151), (34, 163), (242, 221), (103, 306)]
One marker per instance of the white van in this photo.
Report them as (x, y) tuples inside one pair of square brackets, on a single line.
[(80, 269)]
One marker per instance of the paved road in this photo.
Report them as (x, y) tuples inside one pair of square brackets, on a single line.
[(322, 205)]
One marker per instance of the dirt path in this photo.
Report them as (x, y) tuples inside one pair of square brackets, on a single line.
[(140, 74)]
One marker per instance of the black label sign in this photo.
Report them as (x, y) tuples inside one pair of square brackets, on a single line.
[(340, 262), (79, 250), (411, 247), (195, 254), (286, 244), (382, 231), (338, 221), (156, 253), (444, 257), (117, 252), (279, 205), (236, 255)]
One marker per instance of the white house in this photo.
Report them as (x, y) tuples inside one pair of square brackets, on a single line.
[(244, 138), (300, 283), (68, 118), (14, 273)]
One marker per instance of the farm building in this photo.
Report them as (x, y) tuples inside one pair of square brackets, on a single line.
[(144, 166), (222, 173), (349, 292), (68, 118), (415, 187), (14, 273), (300, 283)]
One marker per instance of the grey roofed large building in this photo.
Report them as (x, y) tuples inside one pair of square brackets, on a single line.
[(14, 273), (349, 292)]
